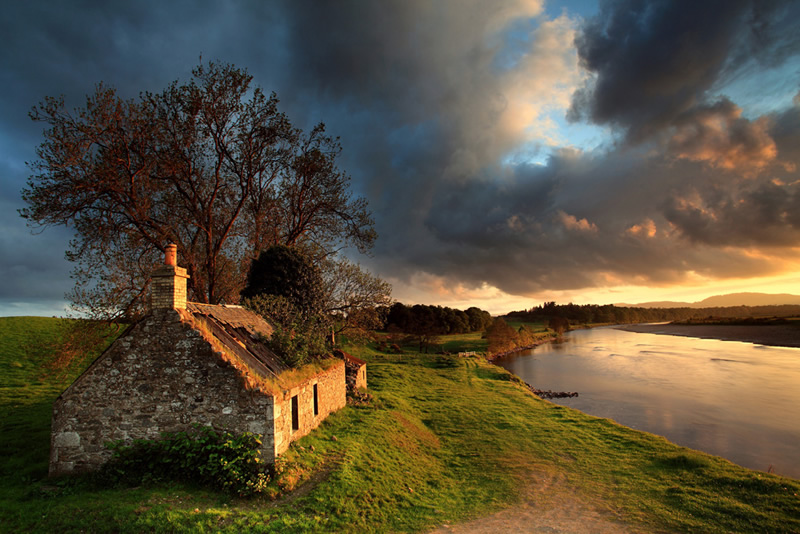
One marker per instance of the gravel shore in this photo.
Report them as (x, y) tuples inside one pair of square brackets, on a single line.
[(774, 335)]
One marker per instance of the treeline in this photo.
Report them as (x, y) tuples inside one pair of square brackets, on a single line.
[(426, 322), (593, 313), (503, 338)]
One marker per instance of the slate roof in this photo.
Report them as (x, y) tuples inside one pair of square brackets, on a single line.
[(240, 331)]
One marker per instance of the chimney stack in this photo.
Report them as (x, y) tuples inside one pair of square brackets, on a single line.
[(169, 283), (171, 255)]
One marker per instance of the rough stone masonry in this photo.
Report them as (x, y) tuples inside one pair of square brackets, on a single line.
[(167, 372)]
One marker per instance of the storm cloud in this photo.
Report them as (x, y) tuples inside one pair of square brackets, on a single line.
[(452, 116), (653, 62), (454, 202)]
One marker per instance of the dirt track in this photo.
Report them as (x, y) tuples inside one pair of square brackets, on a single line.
[(774, 335), (548, 506)]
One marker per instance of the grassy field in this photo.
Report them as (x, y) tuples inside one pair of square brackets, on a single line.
[(443, 440), (533, 327)]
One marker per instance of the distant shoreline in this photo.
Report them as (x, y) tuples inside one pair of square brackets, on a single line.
[(772, 335)]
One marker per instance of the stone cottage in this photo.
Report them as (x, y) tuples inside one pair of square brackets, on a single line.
[(188, 363)]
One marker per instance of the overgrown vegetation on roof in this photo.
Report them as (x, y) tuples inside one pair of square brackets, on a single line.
[(288, 376)]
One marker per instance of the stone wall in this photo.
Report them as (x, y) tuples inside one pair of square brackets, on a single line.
[(331, 396), (161, 376), (361, 377), (355, 370)]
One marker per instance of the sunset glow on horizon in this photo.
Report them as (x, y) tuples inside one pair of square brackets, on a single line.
[(499, 303)]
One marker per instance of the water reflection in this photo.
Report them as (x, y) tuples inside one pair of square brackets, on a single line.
[(732, 399)]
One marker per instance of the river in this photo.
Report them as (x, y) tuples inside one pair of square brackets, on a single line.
[(736, 400)]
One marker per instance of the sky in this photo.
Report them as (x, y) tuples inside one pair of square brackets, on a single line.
[(511, 152)]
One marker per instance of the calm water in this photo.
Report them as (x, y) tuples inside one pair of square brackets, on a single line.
[(736, 400)]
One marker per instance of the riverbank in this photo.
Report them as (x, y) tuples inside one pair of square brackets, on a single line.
[(772, 335), (540, 341)]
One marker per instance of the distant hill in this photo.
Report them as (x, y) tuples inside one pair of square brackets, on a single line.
[(723, 301)]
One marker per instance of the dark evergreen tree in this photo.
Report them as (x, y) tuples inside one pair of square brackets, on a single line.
[(286, 272)]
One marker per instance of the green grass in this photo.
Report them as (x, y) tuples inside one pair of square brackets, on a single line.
[(444, 440), (533, 327), (27, 390), (464, 343)]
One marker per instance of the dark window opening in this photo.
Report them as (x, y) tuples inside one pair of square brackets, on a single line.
[(316, 401), (295, 414)]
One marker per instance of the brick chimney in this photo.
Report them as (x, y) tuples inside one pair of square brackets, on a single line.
[(169, 283)]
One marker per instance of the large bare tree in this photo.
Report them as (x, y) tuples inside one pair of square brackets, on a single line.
[(210, 165), (353, 296)]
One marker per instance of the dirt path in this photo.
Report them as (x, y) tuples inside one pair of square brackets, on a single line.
[(547, 507)]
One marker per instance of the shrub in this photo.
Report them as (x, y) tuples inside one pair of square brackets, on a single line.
[(297, 344), (202, 455), (558, 324), (297, 338), (502, 338)]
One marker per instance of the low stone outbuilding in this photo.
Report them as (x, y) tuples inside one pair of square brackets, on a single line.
[(187, 363), (355, 370)]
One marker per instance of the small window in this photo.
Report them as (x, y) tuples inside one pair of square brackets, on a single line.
[(316, 401), (295, 414)]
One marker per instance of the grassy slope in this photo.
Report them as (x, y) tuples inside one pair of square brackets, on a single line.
[(443, 440), (26, 395)]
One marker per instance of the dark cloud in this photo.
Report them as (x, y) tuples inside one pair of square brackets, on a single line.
[(785, 130), (654, 61), (31, 268), (755, 217), (581, 221), (757, 211), (57, 48), (422, 83), (566, 224)]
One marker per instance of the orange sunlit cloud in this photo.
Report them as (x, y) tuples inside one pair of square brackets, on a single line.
[(571, 222), (646, 228), (720, 136)]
